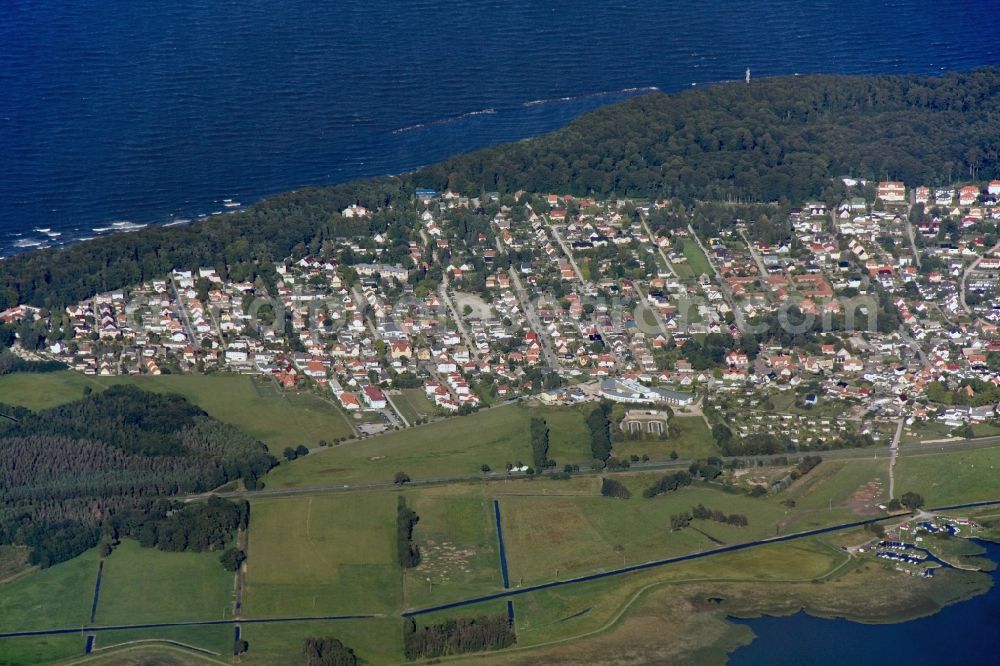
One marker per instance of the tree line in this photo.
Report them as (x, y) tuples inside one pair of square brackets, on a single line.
[(408, 552), (539, 431), (599, 423), (681, 520), (668, 483)]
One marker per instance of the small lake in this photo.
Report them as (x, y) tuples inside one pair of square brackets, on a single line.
[(967, 633)]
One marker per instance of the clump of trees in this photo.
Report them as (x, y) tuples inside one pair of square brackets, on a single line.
[(406, 519), (328, 652), (805, 466), (298, 452), (614, 488), (668, 483), (195, 526), (232, 559), (474, 634)]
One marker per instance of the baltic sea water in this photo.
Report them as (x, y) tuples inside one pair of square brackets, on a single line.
[(121, 113)]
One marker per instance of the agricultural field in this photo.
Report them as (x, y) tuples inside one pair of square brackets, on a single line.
[(694, 441), (950, 478), (322, 555), (145, 585), (277, 419), (456, 446)]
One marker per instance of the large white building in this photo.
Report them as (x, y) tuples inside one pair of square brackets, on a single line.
[(632, 392)]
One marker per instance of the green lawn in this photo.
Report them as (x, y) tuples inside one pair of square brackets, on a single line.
[(456, 446), (146, 585), (548, 536), (414, 404), (950, 478), (694, 441), (277, 420), (696, 259), (331, 554)]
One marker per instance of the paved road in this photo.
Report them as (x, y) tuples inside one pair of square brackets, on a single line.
[(536, 324), (723, 286), (968, 271), (659, 249), (459, 322), (761, 268)]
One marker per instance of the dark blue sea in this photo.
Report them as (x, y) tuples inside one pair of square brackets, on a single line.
[(115, 114), (967, 633)]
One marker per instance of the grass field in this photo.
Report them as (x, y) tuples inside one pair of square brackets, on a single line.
[(950, 478), (331, 554), (456, 535), (694, 441), (277, 420), (549, 536), (143, 585), (456, 446)]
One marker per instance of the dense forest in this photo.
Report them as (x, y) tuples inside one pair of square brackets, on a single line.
[(109, 459), (778, 139)]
